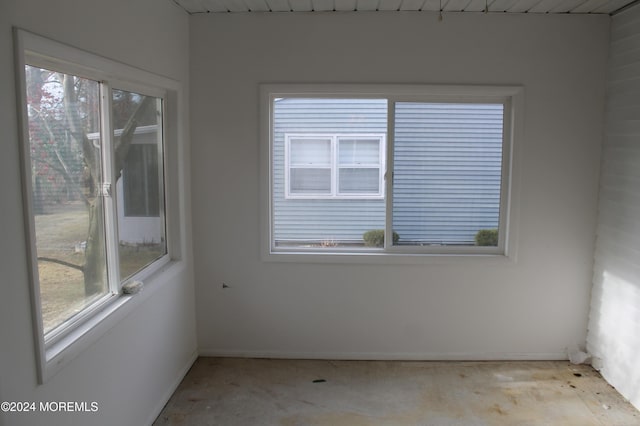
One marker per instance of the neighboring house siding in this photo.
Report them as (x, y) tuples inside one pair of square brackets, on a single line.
[(614, 322), (324, 220), (447, 171), (459, 172)]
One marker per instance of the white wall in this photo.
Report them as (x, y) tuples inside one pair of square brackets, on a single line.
[(131, 370), (532, 308), (614, 323)]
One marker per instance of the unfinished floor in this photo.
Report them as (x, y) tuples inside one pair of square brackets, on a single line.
[(227, 391)]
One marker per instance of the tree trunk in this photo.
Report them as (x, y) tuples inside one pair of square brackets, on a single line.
[(38, 196), (95, 268)]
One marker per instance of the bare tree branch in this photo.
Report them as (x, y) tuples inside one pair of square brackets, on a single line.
[(61, 166), (73, 121)]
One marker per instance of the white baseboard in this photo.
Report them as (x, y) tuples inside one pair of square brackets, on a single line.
[(384, 356), (169, 392)]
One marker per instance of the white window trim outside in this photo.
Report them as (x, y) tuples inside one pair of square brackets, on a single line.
[(61, 346), (335, 138), (511, 96)]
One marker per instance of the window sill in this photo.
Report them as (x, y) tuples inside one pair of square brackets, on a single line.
[(59, 354), (387, 258)]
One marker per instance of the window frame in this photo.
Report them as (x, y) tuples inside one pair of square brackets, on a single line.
[(61, 344), (334, 166), (512, 97)]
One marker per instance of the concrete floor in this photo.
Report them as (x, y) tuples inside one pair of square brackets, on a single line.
[(226, 391)]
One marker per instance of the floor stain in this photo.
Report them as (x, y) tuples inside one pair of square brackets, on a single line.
[(497, 409), (249, 392)]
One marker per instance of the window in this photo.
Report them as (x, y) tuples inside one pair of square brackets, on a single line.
[(447, 172), (141, 192), (94, 161), (334, 166), (360, 165), (350, 165), (310, 169)]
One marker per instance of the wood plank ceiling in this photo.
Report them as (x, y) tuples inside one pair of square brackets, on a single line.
[(494, 6)]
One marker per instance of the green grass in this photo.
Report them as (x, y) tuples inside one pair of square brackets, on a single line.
[(62, 292)]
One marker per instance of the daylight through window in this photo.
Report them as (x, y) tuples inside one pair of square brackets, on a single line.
[(430, 170), (97, 190)]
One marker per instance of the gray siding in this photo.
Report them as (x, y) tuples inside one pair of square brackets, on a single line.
[(324, 220), (446, 171)]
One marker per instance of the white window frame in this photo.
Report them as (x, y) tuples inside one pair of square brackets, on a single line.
[(59, 346), (512, 97), (334, 165)]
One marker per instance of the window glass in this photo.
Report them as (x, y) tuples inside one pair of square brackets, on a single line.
[(445, 193), (305, 177), (310, 151), (140, 178), (359, 181), (355, 158), (316, 203), (447, 172), (63, 110), (356, 151), (310, 181), (137, 122)]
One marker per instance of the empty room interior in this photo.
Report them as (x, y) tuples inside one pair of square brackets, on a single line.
[(320, 212)]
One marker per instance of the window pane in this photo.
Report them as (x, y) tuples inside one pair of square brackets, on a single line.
[(359, 181), (447, 172), (64, 141), (357, 151), (141, 195), (310, 181), (331, 219), (310, 151), (140, 185)]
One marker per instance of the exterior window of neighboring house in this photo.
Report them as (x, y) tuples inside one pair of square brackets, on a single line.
[(334, 166), (141, 181), (93, 149), (349, 166), (310, 168)]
